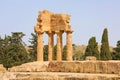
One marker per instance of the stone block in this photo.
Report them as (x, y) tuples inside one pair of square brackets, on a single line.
[(65, 66), (101, 67), (88, 66), (30, 67), (113, 67), (2, 69), (90, 58), (72, 67)]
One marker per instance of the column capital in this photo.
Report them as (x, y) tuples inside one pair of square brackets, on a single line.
[(59, 32), (41, 32), (49, 32), (69, 31), (38, 29)]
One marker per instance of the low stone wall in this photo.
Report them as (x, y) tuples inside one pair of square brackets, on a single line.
[(86, 67), (108, 67)]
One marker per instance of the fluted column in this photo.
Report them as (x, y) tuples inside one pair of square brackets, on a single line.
[(40, 47), (50, 46), (59, 46), (69, 45)]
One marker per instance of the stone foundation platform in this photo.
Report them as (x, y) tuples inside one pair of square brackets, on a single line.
[(106, 67)]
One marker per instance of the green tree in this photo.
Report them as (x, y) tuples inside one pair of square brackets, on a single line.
[(92, 48), (116, 53), (13, 52), (33, 47), (105, 51), (78, 55), (64, 53), (55, 52), (45, 52), (2, 49)]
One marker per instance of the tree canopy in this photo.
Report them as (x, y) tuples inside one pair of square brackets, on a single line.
[(12, 50), (33, 47), (105, 51), (92, 48), (116, 53)]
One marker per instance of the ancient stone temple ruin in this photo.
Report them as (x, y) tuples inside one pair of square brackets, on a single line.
[(89, 69), (52, 24)]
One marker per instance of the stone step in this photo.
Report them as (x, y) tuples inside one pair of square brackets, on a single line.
[(57, 76), (63, 76)]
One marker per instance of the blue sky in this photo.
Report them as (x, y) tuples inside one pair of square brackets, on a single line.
[(88, 17)]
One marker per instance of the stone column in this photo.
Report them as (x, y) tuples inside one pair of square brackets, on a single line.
[(50, 46), (59, 46), (69, 45), (40, 47)]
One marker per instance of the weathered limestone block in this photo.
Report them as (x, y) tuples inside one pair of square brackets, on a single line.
[(65, 66), (52, 67), (88, 66), (55, 67), (72, 67), (30, 67), (101, 67), (60, 22), (44, 20), (7, 76), (2, 69), (90, 58), (68, 67), (113, 67)]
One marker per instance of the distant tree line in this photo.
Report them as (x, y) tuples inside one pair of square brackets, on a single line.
[(13, 51), (104, 54)]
